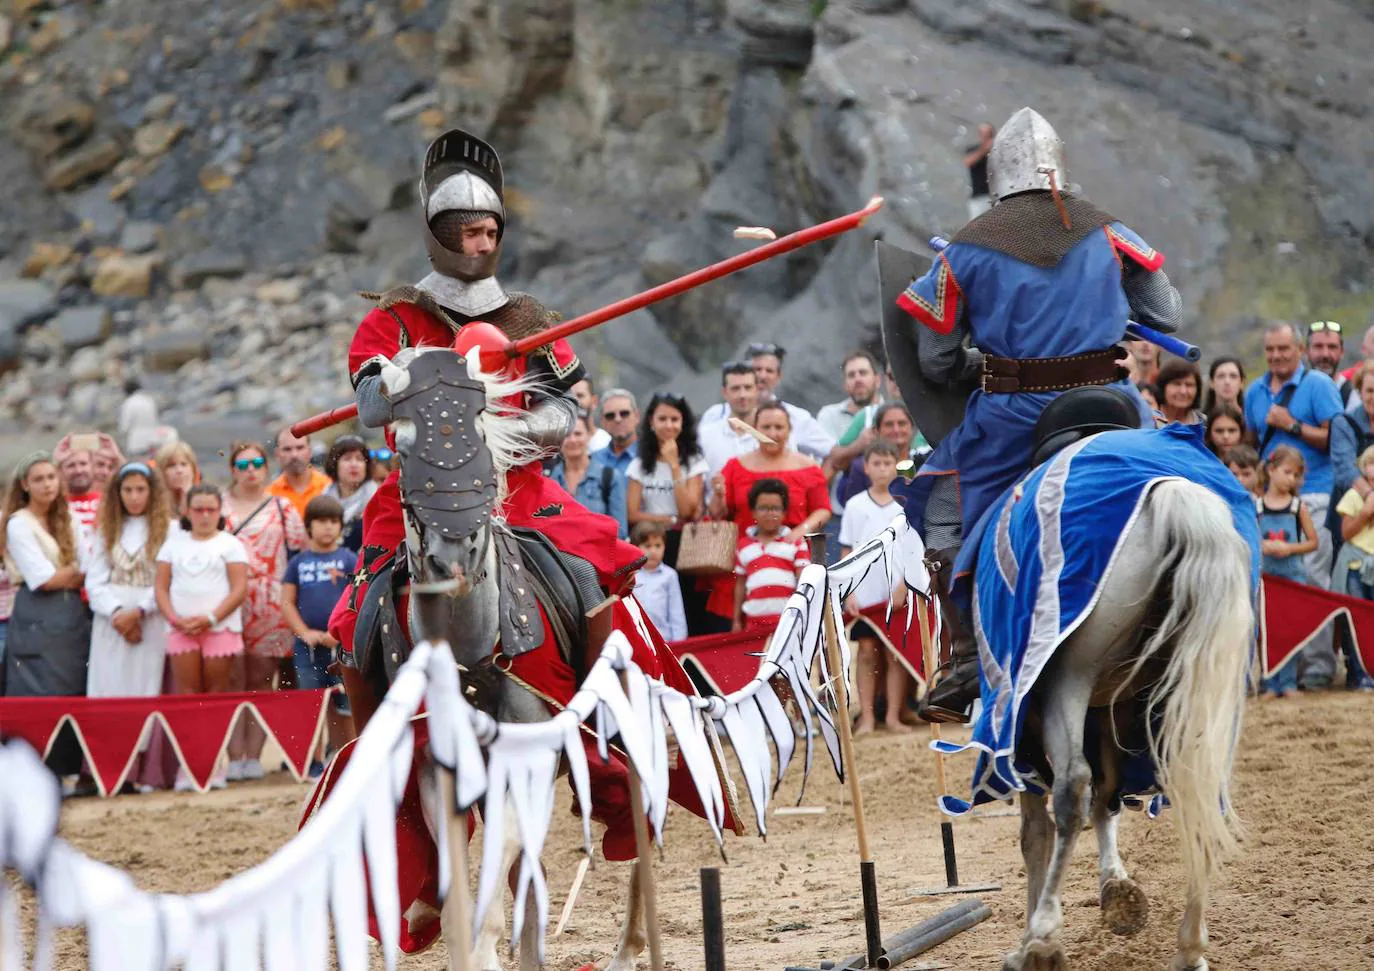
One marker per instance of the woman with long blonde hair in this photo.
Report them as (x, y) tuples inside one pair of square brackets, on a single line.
[(129, 636), (50, 629), (176, 462)]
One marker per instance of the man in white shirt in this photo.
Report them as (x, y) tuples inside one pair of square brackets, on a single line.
[(138, 419), (585, 393), (861, 382), (719, 442), (808, 437)]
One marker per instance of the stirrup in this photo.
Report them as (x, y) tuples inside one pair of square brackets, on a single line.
[(949, 710)]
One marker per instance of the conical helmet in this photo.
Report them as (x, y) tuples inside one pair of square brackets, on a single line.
[(1024, 154)]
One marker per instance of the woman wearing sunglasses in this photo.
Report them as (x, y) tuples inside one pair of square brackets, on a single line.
[(269, 528), (381, 462)]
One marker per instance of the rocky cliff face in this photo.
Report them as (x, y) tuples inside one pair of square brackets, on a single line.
[(144, 155)]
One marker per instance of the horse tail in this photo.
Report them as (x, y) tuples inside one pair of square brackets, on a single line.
[(1194, 710)]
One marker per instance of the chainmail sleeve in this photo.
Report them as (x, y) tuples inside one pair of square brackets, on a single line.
[(1153, 299), (947, 358), (374, 410)]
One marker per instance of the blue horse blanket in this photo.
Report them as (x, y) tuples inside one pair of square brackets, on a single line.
[(1036, 561)]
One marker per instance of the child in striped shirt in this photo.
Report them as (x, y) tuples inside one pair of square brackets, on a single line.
[(768, 562)]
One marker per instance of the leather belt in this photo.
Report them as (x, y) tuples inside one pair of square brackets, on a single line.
[(1007, 375)]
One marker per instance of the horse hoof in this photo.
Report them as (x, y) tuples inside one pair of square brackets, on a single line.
[(1125, 908), (1039, 955)]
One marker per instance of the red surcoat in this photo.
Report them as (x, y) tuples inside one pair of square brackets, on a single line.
[(533, 500)]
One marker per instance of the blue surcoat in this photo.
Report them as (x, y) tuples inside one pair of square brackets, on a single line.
[(1034, 565), (1018, 310)]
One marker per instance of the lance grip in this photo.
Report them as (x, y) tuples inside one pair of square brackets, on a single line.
[(1134, 330), (315, 423)]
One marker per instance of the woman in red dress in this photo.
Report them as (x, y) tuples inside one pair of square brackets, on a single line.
[(808, 507)]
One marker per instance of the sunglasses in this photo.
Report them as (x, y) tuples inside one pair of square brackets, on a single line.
[(617, 415), (1327, 326), (243, 465), (381, 454), (765, 347)]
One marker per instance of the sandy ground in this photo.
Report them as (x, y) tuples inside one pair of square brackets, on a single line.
[(1300, 896)]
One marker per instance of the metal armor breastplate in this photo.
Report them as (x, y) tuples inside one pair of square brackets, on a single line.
[(472, 299)]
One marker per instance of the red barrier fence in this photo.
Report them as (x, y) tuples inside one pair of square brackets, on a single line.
[(198, 727)]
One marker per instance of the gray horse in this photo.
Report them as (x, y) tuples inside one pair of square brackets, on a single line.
[(457, 437), (1159, 664)]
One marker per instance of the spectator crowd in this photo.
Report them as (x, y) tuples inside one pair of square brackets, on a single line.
[(135, 577)]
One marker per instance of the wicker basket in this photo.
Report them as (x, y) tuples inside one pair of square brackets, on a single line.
[(707, 548)]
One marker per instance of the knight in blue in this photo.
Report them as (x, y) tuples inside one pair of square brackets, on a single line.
[(1028, 300), (1035, 564)]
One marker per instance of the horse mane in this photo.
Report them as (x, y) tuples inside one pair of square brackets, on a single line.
[(501, 424)]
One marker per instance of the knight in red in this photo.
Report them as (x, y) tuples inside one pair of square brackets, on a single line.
[(462, 199)]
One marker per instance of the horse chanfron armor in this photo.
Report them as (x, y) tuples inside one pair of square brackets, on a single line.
[(448, 479)]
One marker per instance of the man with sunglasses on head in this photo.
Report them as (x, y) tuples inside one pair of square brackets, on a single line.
[(808, 437), (1325, 349)]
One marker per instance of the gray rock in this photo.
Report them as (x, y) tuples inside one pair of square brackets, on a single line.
[(79, 327), (194, 270), (209, 435), (169, 350), (81, 401), (87, 364), (139, 236), (92, 159), (23, 302), (159, 106), (96, 214), (52, 121), (42, 344)]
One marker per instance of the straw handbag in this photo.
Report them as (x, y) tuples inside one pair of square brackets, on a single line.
[(707, 547)]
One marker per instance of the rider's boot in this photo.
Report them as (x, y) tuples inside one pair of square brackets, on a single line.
[(955, 683)]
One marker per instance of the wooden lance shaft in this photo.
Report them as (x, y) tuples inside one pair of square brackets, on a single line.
[(928, 654), (514, 349), (457, 905), (873, 937), (946, 827), (644, 862)]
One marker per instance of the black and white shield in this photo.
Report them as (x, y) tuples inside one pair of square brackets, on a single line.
[(936, 408)]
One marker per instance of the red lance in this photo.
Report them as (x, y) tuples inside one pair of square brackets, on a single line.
[(515, 349)]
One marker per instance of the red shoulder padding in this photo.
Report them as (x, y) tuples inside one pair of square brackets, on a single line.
[(941, 315), (1146, 256)]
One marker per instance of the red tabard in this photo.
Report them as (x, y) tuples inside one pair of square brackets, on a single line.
[(532, 500)]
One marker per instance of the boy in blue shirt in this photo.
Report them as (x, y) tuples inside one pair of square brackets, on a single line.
[(314, 580)]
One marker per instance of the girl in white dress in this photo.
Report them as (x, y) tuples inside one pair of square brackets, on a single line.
[(129, 635)]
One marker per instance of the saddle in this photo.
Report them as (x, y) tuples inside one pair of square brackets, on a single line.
[(532, 574)]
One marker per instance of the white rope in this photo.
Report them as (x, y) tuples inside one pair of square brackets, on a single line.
[(277, 915)]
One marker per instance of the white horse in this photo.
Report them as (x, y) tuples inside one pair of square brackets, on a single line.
[(466, 610), (1159, 663)]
